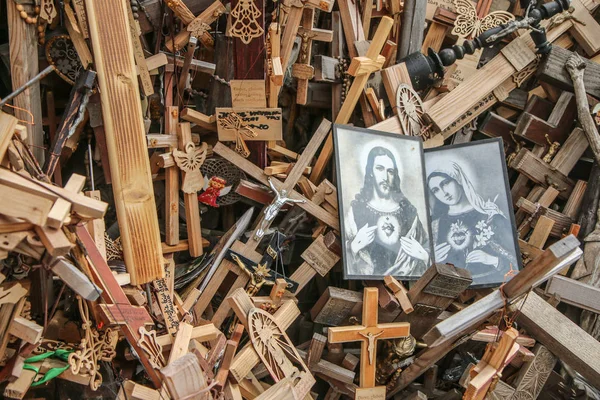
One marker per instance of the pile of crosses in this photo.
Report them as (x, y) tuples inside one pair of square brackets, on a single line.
[(169, 216)]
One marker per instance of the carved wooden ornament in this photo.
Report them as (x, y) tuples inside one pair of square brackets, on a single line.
[(468, 24), (189, 161), (152, 348), (235, 123), (274, 347), (245, 24), (410, 110)]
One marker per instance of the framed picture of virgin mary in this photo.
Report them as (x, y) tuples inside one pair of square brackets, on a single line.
[(383, 204), (472, 221)]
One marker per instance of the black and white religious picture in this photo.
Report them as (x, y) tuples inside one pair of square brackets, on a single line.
[(383, 204), (471, 214)]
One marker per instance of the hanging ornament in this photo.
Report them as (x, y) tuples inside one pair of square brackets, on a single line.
[(245, 25)]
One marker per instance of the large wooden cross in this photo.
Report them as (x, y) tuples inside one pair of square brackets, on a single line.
[(368, 333), (361, 68)]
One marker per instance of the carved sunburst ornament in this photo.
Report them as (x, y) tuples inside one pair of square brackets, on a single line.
[(468, 24), (245, 24), (273, 346), (410, 110)]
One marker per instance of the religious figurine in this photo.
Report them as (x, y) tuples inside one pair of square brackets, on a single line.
[(371, 347), (258, 277), (213, 189), (273, 209)]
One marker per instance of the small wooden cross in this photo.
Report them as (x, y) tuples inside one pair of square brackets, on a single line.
[(196, 26), (368, 334), (302, 70)]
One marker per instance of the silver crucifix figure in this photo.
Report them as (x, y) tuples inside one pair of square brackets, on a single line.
[(273, 209)]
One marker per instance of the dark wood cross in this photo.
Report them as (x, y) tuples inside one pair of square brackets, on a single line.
[(118, 310), (261, 273)]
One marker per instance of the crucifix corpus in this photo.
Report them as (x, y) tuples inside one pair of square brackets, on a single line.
[(368, 333), (271, 211)]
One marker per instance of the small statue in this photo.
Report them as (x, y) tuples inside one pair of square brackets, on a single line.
[(260, 276), (213, 189), (273, 209)]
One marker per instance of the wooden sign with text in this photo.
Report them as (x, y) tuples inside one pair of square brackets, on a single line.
[(266, 123), (248, 93)]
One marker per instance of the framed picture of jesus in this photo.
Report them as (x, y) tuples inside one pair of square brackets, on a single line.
[(472, 220), (383, 204)]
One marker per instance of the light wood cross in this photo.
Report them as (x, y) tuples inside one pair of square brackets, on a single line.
[(196, 26), (302, 70), (368, 333), (361, 68), (291, 180)]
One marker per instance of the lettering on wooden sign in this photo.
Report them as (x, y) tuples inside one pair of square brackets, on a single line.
[(320, 257), (446, 286), (374, 393), (432, 5), (166, 305), (424, 310), (248, 93), (518, 54), (265, 122)]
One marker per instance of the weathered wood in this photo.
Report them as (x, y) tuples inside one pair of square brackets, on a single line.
[(575, 293), (552, 70), (568, 342), (124, 127), (413, 25)]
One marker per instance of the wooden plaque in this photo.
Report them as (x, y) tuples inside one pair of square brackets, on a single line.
[(373, 393), (248, 93), (320, 257), (265, 122)]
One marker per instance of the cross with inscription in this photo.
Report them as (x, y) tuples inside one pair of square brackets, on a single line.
[(368, 333)]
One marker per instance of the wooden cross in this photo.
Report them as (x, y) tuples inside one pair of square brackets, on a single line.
[(261, 273), (361, 68), (190, 197), (302, 70), (196, 26), (368, 333), (289, 184), (117, 309)]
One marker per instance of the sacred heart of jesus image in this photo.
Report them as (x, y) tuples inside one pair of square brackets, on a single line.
[(459, 236), (388, 230)]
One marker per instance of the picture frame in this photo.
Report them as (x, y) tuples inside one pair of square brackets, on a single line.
[(471, 212), (384, 214)]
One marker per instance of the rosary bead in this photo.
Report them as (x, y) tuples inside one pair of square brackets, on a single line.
[(19, 7), (24, 15)]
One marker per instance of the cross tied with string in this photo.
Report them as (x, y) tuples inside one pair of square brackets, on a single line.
[(234, 122)]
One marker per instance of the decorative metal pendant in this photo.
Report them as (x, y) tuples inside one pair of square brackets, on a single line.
[(61, 53)]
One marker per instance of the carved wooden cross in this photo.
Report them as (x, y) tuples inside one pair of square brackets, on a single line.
[(192, 182), (368, 333), (196, 26), (132, 320), (302, 70), (361, 68)]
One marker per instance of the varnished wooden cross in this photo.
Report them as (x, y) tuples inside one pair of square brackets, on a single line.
[(368, 333), (361, 68), (196, 26), (302, 70)]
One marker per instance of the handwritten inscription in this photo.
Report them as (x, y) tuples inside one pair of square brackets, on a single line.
[(248, 93), (320, 257), (265, 122), (165, 302), (432, 5), (374, 393)]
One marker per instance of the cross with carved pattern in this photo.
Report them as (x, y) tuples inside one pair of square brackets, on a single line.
[(368, 334), (117, 309), (302, 70), (196, 26)]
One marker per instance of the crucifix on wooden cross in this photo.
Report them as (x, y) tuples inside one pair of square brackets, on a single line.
[(368, 333), (302, 70), (261, 273), (196, 26), (361, 68)]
